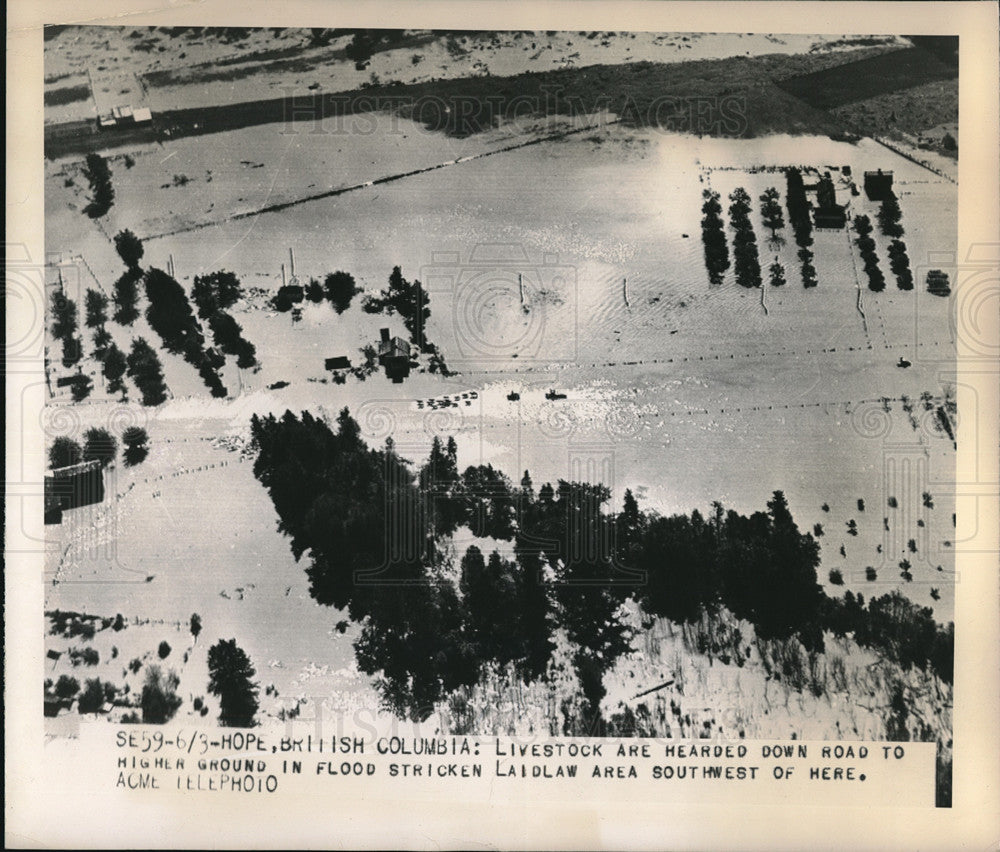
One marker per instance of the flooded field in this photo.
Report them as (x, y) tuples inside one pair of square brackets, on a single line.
[(564, 267)]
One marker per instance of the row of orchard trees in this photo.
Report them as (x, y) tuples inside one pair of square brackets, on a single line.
[(745, 252), (378, 537), (747, 262)]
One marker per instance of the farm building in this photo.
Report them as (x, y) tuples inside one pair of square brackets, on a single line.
[(69, 487), (125, 116), (828, 213), (878, 185), (394, 355), (340, 362)]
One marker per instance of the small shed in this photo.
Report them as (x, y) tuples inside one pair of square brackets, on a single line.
[(340, 362)]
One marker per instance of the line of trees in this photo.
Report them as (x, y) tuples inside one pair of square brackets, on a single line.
[(144, 368), (798, 207), (102, 193), (126, 297), (747, 261), (866, 245), (777, 273), (899, 263), (713, 235), (889, 215), (65, 328), (98, 445), (214, 294), (808, 270), (169, 314), (801, 222)]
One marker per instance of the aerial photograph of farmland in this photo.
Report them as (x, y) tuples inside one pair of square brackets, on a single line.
[(536, 383)]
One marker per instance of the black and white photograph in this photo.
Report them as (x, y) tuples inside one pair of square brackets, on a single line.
[(565, 386)]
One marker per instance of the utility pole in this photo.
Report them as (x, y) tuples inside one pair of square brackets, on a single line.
[(625, 291)]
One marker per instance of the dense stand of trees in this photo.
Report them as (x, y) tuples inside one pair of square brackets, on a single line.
[(215, 292), (713, 235), (896, 627), (377, 534), (113, 366), (866, 245), (96, 305), (747, 261), (136, 441), (100, 445), (937, 283), (64, 452)]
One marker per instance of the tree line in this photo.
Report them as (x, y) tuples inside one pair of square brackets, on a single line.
[(378, 536), (866, 245), (889, 216), (713, 235), (747, 260), (801, 222), (214, 294)]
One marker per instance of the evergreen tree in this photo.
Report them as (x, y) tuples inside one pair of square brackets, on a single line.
[(340, 290), (144, 367), (217, 291), (126, 297), (102, 194), (101, 445), (231, 674), (770, 211), (129, 248), (113, 367), (96, 304), (64, 452)]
